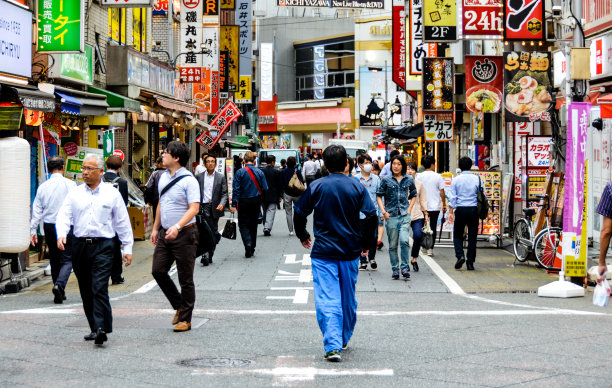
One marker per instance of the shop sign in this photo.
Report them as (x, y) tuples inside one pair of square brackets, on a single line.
[(222, 120), (482, 19), (211, 9), (75, 67), (243, 96), (399, 43), (214, 92), (601, 56), (61, 26), (245, 34), (484, 82), (191, 74), (438, 126), (16, 32), (319, 72), (438, 84), (119, 153), (440, 21), (538, 151), (211, 43), (266, 77), (524, 20), (128, 3), (160, 7), (74, 160), (416, 47), (223, 71), (598, 15), (228, 4), (202, 92), (267, 119), (357, 4), (559, 68), (528, 86), (229, 43), (191, 32)]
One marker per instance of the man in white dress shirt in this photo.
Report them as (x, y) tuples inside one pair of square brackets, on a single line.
[(47, 203), (310, 170), (97, 211)]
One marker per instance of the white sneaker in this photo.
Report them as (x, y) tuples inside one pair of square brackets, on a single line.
[(430, 252), (290, 233)]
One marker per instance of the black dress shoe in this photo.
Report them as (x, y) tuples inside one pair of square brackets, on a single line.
[(119, 280), (470, 265), (90, 337), (266, 232), (248, 251), (459, 262), (100, 337), (58, 295), (415, 266), (204, 261)]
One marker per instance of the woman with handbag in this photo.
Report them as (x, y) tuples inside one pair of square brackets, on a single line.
[(418, 216), (292, 187)]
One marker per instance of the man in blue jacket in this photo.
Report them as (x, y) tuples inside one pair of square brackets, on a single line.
[(340, 239)]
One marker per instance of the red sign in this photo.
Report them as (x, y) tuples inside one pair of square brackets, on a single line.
[(399, 43), (214, 92), (484, 83), (524, 20), (202, 92), (119, 153), (71, 149), (191, 4), (482, 18), (191, 74), (599, 56), (221, 122)]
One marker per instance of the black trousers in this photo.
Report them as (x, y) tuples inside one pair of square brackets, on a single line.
[(248, 215), (466, 216), (433, 223), (117, 269), (213, 222), (92, 262), (182, 250), (61, 261)]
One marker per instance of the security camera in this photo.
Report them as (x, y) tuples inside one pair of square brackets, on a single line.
[(557, 11)]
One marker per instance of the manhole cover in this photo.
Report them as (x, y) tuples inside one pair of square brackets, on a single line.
[(215, 362)]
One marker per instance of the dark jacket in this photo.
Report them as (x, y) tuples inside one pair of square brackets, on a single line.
[(273, 178), (243, 186), (219, 192), (286, 175), (121, 183)]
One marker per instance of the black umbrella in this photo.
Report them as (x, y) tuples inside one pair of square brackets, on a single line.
[(406, 132)]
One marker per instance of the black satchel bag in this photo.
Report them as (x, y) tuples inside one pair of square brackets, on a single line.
[(229, 231), (483, 202), (428, 237), (207, 239)]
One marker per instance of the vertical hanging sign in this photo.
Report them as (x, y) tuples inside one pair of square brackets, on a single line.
[(319, 72), (267, 60), (440, 20), (245, 35), (229, 43), (399, 43), (524, 20), (416, 47), (223, 72), (61, 27), (191, 32), (243, 96), (210, 41)]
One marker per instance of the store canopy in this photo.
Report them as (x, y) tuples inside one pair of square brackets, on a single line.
[(606, 106), (34, 99), (81, 102), (406, 132), (176, 105), (117, 102)]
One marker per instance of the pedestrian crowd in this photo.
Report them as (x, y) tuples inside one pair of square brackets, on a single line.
[(353, 201)]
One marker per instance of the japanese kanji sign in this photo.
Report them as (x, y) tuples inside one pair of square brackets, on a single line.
[(440, 20), (524, 20), (245, 35), (210, 41), (438, 83), (484, 83), (243, 96), (214, 92), (127, 3), (438, 126), (416, 45), (191, 33), (399, 43), (202, 91), (482, 19), (61, 26), (221, 122), (538, 151), (527, 86), (228, 4), (230, 43), (191, 74)]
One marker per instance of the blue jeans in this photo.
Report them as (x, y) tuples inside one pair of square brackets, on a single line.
[(335, 302), (417, 236), (398, 232)]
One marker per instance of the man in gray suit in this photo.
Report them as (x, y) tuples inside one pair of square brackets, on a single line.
[(213, 187)]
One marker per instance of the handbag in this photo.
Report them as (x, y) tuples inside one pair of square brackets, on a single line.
[(229, 230), (428, 237), (295, 184), (483, 202), (207, 239)]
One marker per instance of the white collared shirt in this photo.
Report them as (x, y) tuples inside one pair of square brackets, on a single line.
[(49, 198), (96, 213), (208, 186)]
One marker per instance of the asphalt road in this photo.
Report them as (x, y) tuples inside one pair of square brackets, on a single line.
[(254, 325)]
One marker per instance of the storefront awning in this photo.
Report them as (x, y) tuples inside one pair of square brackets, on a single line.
[(406, 132), (117, 102), (606, 106), (81, 103), (175, 105), (34, 99)]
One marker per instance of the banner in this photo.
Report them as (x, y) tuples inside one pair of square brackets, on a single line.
[(416, 46), (223, 71), (320, 70), (438, 126), (210, 40), (484, 83), (527, 86), (267, 65), (61, 26), (221, 122), (438, 84), (440, 21), (202, 92), (191, 33), (358, 4), (243, 96), (229, 43), (524, 20), (245, 35), (482, 19), (398, 23)]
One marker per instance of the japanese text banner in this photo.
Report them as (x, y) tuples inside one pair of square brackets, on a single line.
[(438, 84), (191, 33), (484, 83), (399, 43), (222, 120)]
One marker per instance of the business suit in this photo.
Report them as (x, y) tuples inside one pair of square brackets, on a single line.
[(271, 197), (211, 214), (122, 186)]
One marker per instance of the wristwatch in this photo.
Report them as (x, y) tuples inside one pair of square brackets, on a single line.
[(178, 227)]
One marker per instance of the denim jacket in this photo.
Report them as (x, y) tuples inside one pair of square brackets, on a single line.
[(397, 195)]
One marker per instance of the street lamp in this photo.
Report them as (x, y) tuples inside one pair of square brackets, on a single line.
[(172, 62)]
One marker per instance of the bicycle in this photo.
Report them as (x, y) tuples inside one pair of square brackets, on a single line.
[(544, 245)]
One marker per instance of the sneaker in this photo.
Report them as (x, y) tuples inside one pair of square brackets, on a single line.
[(459, 263), (247, 251), (363, 265), (406, 273), (333, 356), (380, 245), (266, 232), (395, 274), (430, 252), (345, 346), (373, 265)]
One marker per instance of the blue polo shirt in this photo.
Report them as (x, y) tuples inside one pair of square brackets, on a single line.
[(336, 201)]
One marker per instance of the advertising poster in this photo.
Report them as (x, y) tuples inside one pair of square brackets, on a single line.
[(243, 95), (61, 26), (493, 190), (202, 92), (210, 40), (399, 43), (223, 71), (538, 151), (438, 84), (243, 20), (438, 126), (482, 19), (74, 160), (230, 43), (484, 83), (440, 21), (528, 86), (191, 33), (524, 20)]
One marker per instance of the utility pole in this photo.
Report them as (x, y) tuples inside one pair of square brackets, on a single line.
[(170, 29), (385, 104)]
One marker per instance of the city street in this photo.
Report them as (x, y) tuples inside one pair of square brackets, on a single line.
[(254, 325)]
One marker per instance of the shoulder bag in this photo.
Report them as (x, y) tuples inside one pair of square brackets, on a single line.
[(295, 184), (483, 202)]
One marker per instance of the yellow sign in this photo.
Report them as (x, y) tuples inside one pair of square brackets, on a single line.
[(575, 266), (243, 96), (139, 28), (116, 25), (230, 42), (439, 20)]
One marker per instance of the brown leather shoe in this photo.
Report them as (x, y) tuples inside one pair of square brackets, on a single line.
[(182, 326), (176, 317)]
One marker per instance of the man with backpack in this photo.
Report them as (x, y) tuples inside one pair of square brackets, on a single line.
[(113, 165)]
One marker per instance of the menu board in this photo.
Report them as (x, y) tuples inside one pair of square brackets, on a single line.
[(491, 181)]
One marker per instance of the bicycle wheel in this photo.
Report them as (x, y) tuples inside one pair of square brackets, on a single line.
[(545, 247), (522, 234)]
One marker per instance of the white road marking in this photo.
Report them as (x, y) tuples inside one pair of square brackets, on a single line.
[(292, 259), (305, 276), (295, 374), (300, 296), (306, 259), (451, 284), (150, 285)]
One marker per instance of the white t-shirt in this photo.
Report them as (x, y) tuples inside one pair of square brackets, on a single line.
[(433, 183)]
